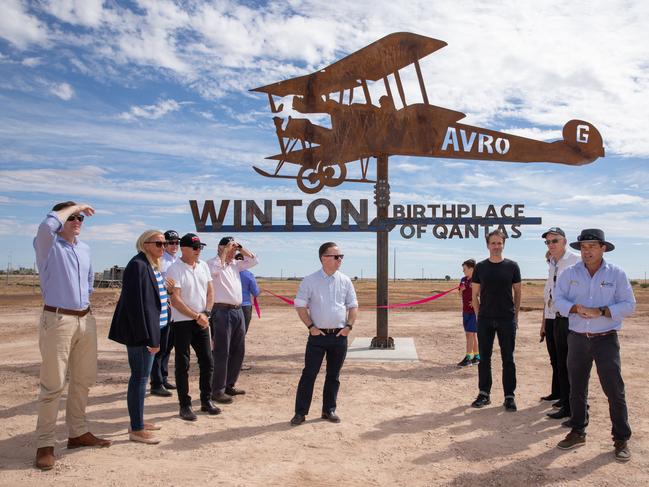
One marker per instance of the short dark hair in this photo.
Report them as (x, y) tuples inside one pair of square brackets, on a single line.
[(498, 233), (65, 204), (470, 263), (324, 247)]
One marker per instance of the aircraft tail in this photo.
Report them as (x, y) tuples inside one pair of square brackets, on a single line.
[(584, 138)]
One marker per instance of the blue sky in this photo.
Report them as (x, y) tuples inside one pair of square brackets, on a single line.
[(137, 107)]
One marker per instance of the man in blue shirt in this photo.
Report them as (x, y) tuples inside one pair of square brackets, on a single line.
[(67, 330), (327, 305), (249, 291), (595, 295)]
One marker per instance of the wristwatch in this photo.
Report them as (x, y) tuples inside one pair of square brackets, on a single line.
[(310, 326), (602, 310), (349, 326)]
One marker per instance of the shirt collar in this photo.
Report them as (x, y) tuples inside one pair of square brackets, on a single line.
[(324, 275)]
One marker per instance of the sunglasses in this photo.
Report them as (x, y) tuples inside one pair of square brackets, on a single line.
[(157, 243), (337, 257), (172, 242), (553, 241), (78, 218), (197, 247)]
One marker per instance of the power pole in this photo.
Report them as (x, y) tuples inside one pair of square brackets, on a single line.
[(394, 266)]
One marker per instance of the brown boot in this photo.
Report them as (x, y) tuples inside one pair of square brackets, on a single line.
[(45, 458), (87, 439)]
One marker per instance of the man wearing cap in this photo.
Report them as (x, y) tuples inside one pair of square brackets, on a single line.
[(160, 385), (554, 326), (595, 295), (227, 320), (189, 301), (67, 330), (326, 303)]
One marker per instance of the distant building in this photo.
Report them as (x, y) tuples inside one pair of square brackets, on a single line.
[(111, 277)]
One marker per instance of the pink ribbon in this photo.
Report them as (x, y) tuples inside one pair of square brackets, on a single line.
[(389, 306), (256, 305)]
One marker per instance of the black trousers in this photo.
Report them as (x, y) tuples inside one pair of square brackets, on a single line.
[(605, 352), (186, 334), (561, 346), (247, 315), (317, 347), (229, 333), (552, 353), (160, 369), (505, 329)]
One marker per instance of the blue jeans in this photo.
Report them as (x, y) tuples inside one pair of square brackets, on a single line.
[(140, 360)]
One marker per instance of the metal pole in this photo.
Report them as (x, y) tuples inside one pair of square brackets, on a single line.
[(382, 202), (394, 265)]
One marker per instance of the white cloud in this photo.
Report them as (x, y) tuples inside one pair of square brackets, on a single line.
[(151, 112), (82, 12), (31, 62), (610, 199), (19, 27), (62, 90)]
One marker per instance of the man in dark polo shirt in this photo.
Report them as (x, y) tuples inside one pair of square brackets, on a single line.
[(496, 301)]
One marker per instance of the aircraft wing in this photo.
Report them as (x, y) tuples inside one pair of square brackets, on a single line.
[(373, 62), (309, 157)]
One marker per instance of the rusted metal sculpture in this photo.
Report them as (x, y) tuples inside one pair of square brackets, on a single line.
[(364, 130)]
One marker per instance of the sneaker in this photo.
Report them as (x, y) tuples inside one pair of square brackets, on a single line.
[(481, 401), (475, 360), (464, 362), (572, 440), (622, 452), (510, 404)]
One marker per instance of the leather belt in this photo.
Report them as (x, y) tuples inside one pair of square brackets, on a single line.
[(226, 306), (329, 331), (593, 335), (63, 311), (558, 315)]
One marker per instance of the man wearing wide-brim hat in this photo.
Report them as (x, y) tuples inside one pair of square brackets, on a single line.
[(595, 295)]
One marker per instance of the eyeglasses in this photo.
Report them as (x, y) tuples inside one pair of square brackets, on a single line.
[(78, 218), (337, 257), (172, 242), (198, 247), (157, 243), (553, 241)]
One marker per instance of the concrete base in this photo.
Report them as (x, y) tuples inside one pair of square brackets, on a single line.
[(404, 351)]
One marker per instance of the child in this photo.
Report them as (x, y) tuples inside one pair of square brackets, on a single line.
[(468, 316)]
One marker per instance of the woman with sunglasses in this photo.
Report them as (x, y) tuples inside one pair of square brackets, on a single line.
[(140, 313)]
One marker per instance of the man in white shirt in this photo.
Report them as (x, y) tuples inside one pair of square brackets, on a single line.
[(189, 300), (327, 305), (160, 385), (227, 320), (554, 327)]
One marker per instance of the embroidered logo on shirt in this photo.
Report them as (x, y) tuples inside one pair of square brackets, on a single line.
[(606, 284), (573, 282)]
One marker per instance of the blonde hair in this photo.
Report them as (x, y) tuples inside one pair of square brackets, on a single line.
[(139, 245)]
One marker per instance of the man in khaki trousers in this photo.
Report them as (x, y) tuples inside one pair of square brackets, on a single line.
[(67, 329)]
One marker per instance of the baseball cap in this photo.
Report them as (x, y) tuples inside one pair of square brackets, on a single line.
[(556, 230), (191, 240)]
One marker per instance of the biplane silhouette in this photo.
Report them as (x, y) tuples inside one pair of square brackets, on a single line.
[(360, 131)]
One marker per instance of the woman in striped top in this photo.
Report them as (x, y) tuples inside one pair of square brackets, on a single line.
[(140, 313)]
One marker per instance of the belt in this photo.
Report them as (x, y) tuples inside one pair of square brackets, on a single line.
[(593, 335), (558, 315), (63, 311), (226, 306), (329, 331)]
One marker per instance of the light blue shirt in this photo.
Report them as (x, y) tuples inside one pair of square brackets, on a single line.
[(327, 297), (64, 269), (249, 287), (608, 287), (167, 260)]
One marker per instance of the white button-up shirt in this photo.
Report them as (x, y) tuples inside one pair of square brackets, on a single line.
[(226, 279), (327, 297), (554, 271)]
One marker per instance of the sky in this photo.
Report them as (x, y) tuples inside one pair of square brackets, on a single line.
[(137, 107)]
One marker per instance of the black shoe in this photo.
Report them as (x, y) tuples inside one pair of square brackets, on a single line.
[(210, 408), (558, 404), (465, 362), (170, 386), (161, 391), (232, 391), (560, 414), (298, 419), (622, 452), (510, 404), (481, 401), (551, 397), (572, 440), (187, 414), (222, 398), (330, 416)]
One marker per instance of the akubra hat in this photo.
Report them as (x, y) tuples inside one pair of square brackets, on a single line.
[(592, 235)]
